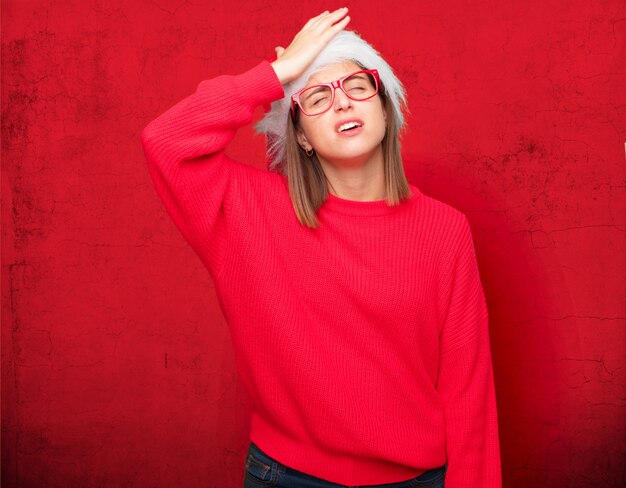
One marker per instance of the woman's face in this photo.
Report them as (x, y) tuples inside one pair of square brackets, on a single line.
[(322, 132)]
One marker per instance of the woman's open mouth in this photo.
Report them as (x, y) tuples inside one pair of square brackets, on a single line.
[(349, 127)]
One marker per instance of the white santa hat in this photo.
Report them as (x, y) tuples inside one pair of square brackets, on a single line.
[(344, 46)]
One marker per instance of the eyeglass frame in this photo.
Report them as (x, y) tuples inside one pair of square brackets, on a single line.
[(295, 98)]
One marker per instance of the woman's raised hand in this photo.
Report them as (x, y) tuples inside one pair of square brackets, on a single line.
[(308, 43)]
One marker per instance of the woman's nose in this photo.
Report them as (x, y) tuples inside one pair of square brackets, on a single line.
[(342, 101)]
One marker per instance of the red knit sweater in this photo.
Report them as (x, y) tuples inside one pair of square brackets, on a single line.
[(363, 343)]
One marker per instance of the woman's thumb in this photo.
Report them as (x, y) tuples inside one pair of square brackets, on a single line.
[(279, 51)]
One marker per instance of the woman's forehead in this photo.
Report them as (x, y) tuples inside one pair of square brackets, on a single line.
[(332, 72)]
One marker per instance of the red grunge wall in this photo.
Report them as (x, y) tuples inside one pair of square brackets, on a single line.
[(116, 363)]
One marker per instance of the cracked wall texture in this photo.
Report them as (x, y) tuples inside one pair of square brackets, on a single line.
[(116, 363)]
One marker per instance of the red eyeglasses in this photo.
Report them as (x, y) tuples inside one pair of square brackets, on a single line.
[(317, 99)]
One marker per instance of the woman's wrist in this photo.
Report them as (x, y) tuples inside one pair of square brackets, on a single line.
[(282, 71)]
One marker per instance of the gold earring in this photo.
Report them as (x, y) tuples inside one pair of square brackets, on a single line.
[(309, 152)]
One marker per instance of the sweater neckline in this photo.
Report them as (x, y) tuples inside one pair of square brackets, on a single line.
[(359, 207)]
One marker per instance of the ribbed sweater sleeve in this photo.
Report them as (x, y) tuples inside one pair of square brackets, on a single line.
[(184, 149), (465, 381)]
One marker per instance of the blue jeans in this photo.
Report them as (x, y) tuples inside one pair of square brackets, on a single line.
[(264, 471)]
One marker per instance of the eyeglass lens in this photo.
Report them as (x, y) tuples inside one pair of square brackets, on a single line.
[(317, 98)]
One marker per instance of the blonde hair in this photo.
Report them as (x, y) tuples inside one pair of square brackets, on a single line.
[(308, 187)]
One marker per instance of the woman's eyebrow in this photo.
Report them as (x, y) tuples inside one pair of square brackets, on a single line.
[(310, 93)]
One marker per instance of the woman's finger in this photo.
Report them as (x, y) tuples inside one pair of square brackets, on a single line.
[(330, 17), (340, 25), (308, 43), (313, 19), (333, 17)]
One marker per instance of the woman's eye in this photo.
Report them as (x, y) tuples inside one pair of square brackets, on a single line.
[(319, 101), (356, 85)]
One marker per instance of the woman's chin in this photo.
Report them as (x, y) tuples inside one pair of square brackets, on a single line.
[(350, 157)]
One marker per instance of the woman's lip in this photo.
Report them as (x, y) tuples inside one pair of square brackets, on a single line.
[(347, 121), (351, 132)]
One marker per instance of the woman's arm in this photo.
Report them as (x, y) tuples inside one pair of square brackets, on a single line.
[(185, 145), (465, 381), (184, 148)]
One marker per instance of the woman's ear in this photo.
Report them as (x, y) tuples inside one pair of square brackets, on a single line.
[(302, 140)]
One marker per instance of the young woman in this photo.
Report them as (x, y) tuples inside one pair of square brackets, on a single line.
[(354, 301)]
